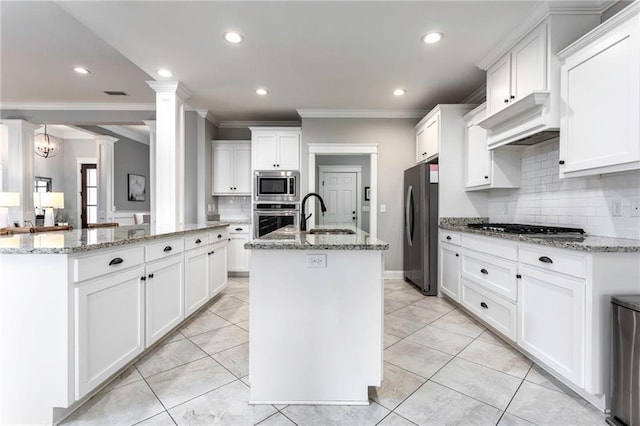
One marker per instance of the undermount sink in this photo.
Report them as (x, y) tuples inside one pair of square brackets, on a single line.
[(321, 231)]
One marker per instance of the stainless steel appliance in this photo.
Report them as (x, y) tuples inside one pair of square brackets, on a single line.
[(421, 227), (625, 399), (277, 186), (267, 217)]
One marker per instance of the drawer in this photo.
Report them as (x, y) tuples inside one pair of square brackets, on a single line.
[(88, 267), (192, 241), (450, 237), (239, 228), (164, 248), (220, 234), (496, 274), (495, 246), (492, 309), (554, 260)]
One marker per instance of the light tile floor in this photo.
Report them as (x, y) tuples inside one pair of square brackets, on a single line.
[(441, 367)]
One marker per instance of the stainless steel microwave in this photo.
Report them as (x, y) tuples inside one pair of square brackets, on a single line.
[(277, 185)]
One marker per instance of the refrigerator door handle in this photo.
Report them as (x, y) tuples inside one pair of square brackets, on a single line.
[(408, 215)]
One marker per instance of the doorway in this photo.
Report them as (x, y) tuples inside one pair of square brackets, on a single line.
[(88, 194), (340, 189)]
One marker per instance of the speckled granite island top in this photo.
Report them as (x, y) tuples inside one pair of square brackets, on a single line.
[(82, 240), (588, 243), (289, 238)]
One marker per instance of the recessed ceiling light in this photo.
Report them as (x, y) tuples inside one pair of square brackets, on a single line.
[(233, 37), (262, 92), (399, 92), (432, 38), (81, 70), (164, 73)]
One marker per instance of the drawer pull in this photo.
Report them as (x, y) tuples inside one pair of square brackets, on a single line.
[(457, 255), (167, 249), (484, 271), (238, 229), (116, 261), (198, 241), (449, 237), (545, 259), (219, 236), (484, 305)]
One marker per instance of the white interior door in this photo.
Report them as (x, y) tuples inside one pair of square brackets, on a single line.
[(339, 192)]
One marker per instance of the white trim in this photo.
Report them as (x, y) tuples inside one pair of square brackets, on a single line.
[(345, 169), (79, 106), (274, 129), (204, 113), (127, 133), (477, 97), (79, 162), (249, 124), (172, 87), (360, 113), (341, 149), (392, 275)]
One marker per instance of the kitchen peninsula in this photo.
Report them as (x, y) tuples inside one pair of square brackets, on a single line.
[(316, 316), (79, 306)]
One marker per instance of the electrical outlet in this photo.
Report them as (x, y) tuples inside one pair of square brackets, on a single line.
[(316, 261), (383, 208), (635, 207), (616, 207)]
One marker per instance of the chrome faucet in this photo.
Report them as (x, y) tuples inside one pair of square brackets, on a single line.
[(303, 216)]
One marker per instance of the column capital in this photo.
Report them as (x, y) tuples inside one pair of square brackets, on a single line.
[(105, 139), (171, 87), (151, 124), (14, 122)]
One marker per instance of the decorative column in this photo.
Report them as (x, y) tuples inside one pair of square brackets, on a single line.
[(106, 205), (169, 183), (20, 168), (151, 124)]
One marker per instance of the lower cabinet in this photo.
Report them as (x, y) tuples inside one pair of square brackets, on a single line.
[(551, 312), (196, 282), (217, 269), (450, 270), (238, 256), (109, 328), (494, 310), (164, 297)]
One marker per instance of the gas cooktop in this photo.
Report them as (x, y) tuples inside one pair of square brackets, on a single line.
[(517, 228)]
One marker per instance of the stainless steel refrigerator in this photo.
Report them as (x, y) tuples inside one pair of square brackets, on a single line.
[(421, 227)]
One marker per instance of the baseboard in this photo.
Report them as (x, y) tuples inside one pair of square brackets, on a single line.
[(393, 275)]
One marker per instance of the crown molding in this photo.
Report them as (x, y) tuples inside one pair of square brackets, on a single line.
[(170, 86), (127, 133), (204, 113), (78, 106), (360, 113), (247, 124), (478, 96)]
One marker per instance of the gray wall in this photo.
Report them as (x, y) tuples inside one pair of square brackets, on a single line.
[(234, 134), (209, 132), (396, 152), (348, 160), (74, 149), (191, 166), (129, 157)]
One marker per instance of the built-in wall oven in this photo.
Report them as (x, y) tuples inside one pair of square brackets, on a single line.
[(268, 217), (277, 186)]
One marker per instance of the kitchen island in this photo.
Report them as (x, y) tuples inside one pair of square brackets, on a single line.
[(316, 316), (78, 307)]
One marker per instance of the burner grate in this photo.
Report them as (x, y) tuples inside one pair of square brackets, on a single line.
[(516, 228)]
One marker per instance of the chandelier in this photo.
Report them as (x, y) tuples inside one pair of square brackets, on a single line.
[(46, 145)]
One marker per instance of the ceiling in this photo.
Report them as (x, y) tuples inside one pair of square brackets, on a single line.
[(308, 54)]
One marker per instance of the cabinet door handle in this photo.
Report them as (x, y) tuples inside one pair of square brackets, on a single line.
[(512, 97), (198, 241), (143, 278), (150, 275), (486, 177), (506, 101), (274, 165), (545, 259), (484, 271), (457, 255), (219, 235), (449, 237), (116, 261), (484, 305), (518, 276), (561, 162), (238, 229), (167, 249)]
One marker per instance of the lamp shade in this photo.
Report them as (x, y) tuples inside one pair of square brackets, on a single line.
[(44, 200), (9, 199)]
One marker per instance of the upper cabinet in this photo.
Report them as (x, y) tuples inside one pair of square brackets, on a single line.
[(523, 80), (488, 169), (275, 148), (428, 136), (600, 124), (231, 168)]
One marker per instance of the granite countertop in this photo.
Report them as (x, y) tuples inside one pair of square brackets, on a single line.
[(588, 243), (290, 238), (236, 220), (81, 240)]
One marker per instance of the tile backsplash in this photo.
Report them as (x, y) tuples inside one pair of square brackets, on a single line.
[(234, 207), (586, 203)]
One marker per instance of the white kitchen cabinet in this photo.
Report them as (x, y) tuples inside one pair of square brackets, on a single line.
[(494, 310), (109, 326), (231, 168), (499, 84), (275, 148), (487, 169), (600, 90), (428, 137), (551, 326), (217, 268), (238, 257), (449, 269), (164, 288), (196, 279)]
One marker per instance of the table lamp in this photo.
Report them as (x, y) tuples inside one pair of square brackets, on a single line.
[(48, 201), (7, 199)]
